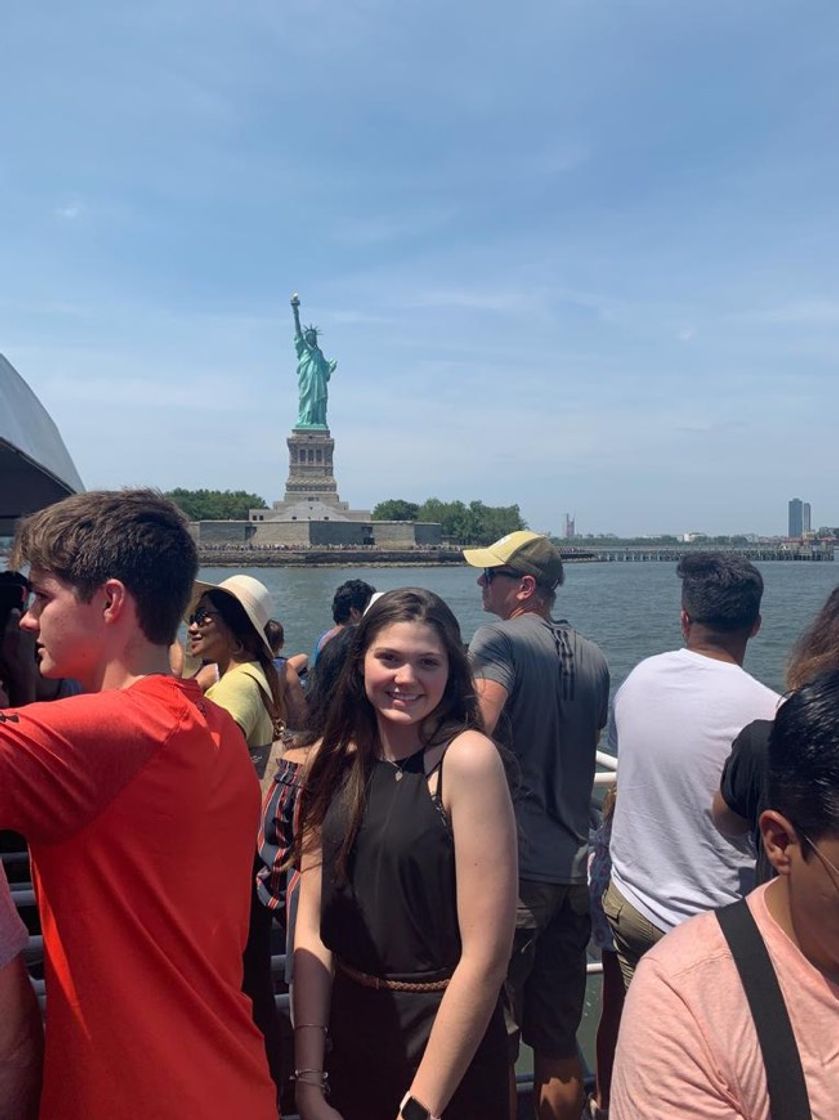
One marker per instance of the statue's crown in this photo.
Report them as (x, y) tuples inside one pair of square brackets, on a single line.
[(315, 330)]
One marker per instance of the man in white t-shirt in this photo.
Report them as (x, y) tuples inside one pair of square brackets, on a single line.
[(672, 725), (688, 1044)]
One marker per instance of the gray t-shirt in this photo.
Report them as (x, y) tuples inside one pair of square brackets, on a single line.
[(557, 685), (13, 934)]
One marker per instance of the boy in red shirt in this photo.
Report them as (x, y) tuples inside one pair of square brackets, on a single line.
[(140, 806)]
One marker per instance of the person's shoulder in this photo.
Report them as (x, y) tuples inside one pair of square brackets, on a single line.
[(488, 629), (754, 738), (593, 653), (470, 755), (492, 637), (758, 689), (651, 667), (237, 683), (694, 946)]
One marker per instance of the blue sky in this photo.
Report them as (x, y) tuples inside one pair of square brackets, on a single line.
[(576, 255)]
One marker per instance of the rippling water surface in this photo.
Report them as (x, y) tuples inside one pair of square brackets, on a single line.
[(630, 610)]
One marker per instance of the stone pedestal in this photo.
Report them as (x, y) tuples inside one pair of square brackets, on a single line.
[(311, 492), (310, 472)]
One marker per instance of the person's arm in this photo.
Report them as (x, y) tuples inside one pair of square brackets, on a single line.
[(664, 1064), (727, 821), (736, 804), (299, 663), (311, 992), (477, 800), (21, 1044), (494, 673), (492, 697), (295, 699)]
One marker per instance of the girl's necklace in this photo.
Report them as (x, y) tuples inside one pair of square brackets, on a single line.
[(400, 764), (399, 767)]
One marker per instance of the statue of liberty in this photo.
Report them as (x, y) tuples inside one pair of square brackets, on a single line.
[(313, 373)]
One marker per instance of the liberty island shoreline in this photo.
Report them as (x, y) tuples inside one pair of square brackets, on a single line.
[(429, 556)]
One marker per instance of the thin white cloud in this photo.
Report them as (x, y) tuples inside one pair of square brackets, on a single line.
[(803, 312), (70, 212)]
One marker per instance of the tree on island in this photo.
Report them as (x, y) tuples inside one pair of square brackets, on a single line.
[(474, 523), (396, 509), (216, 505)]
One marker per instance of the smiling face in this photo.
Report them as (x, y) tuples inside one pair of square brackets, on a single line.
[(405, 673), (210, 639), (69, 634)]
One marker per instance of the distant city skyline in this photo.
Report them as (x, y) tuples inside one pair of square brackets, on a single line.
[(799, 517), (577, 258)]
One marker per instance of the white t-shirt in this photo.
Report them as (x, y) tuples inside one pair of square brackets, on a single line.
[(672, 725), (688, 1048)]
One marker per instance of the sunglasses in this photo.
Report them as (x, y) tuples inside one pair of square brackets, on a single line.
[(491, 573), (201, 618)]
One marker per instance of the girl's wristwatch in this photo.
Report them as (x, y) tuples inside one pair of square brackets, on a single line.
[(411, 1109)]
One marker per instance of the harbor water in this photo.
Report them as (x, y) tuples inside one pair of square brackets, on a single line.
[(630, 610)]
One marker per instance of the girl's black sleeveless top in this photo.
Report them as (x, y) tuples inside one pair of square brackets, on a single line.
[(394, 915)]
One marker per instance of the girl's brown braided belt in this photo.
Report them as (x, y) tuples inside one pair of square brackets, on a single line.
[(379, 983)]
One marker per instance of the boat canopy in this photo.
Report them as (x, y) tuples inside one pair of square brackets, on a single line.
[(35, 466)]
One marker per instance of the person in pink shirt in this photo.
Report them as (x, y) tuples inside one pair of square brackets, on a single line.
[(689, 1043)]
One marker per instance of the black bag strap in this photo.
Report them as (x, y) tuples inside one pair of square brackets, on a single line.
[(788, 1099)]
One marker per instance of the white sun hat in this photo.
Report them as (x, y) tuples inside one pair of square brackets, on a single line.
[(252, 596)]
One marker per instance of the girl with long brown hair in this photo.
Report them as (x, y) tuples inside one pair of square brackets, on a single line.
[(408, 889)]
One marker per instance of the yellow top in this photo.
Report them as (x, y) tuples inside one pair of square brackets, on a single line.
[(245, 693)]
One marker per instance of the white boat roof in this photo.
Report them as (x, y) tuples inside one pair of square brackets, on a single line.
[(35, 466)]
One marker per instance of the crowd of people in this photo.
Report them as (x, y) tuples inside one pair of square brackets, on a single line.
[(423, 844)]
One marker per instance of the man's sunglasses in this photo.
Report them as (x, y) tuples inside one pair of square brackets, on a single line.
[(491, 573)]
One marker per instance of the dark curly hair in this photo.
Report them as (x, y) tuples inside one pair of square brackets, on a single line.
[(720, 590)]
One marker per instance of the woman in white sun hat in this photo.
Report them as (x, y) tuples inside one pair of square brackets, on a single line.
[(227, 628)]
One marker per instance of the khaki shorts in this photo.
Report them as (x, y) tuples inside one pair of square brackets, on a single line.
[(632, 933), (546, 979)]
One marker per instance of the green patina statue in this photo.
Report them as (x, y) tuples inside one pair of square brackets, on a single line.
[(313, 373)]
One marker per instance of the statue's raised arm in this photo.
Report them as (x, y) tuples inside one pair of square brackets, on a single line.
[(295, 308), (313, 373)]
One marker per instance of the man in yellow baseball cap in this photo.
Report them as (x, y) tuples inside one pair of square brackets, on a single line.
[(544, 692)]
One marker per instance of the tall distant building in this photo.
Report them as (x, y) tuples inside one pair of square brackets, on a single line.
[(800, 518), (570, 527)]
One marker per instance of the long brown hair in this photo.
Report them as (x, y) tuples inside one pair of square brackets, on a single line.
[(818, 647), (237, 622), (349, 748)]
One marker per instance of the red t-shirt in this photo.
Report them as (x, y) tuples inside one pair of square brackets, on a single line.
[(141, 810)]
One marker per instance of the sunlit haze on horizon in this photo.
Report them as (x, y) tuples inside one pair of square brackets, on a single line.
[(578, 256)]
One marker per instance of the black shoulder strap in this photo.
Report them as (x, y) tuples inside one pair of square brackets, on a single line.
[(788, 1099)]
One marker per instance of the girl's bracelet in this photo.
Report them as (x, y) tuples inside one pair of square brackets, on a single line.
[(315, 1077), (310, 1027)]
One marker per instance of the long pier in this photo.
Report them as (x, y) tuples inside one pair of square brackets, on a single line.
[(267, 556), (639, 554)]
